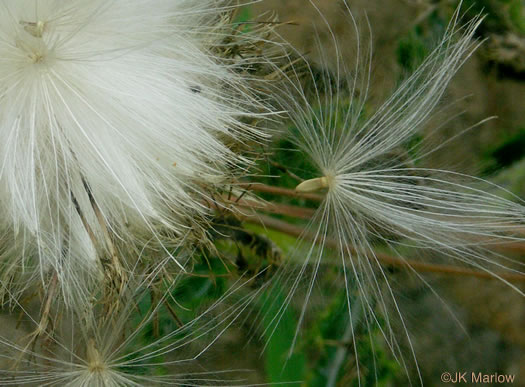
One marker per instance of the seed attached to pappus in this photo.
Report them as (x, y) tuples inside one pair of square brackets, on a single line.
[(34, 28), (313, 185)]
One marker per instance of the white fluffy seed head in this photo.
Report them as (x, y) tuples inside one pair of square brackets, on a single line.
[(113, 117), (366, 175), (375, 194), (112, 345)]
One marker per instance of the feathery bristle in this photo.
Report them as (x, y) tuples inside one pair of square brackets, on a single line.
[(114, 116), (372, 194)]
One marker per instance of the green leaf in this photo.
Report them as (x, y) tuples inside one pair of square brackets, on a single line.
[(281, 368)]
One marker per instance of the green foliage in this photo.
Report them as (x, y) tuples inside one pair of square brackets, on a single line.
[(193, 294), (413, 48), (285, 242), (287, 155), (505, 153), (325, 338), (516, 11), (243, 17), (282, 368), (378, 366), (195, 291), (500, 15), (330, 335), (512, 179)]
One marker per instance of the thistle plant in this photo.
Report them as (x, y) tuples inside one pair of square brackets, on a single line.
[(132, 171)]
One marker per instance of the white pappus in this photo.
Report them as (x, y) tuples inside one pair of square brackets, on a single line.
[(113, 117), (373, 193), (115, 346)]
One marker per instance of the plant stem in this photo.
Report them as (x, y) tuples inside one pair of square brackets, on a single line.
[(258, 187), (297, 231)]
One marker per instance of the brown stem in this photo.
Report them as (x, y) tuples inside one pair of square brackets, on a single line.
[(44, 320), (173, 313), (281, 209), (387, 260), (49, 299), (258, 187), (509, 247), (306, 213), (282, 168), (156, 325)]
